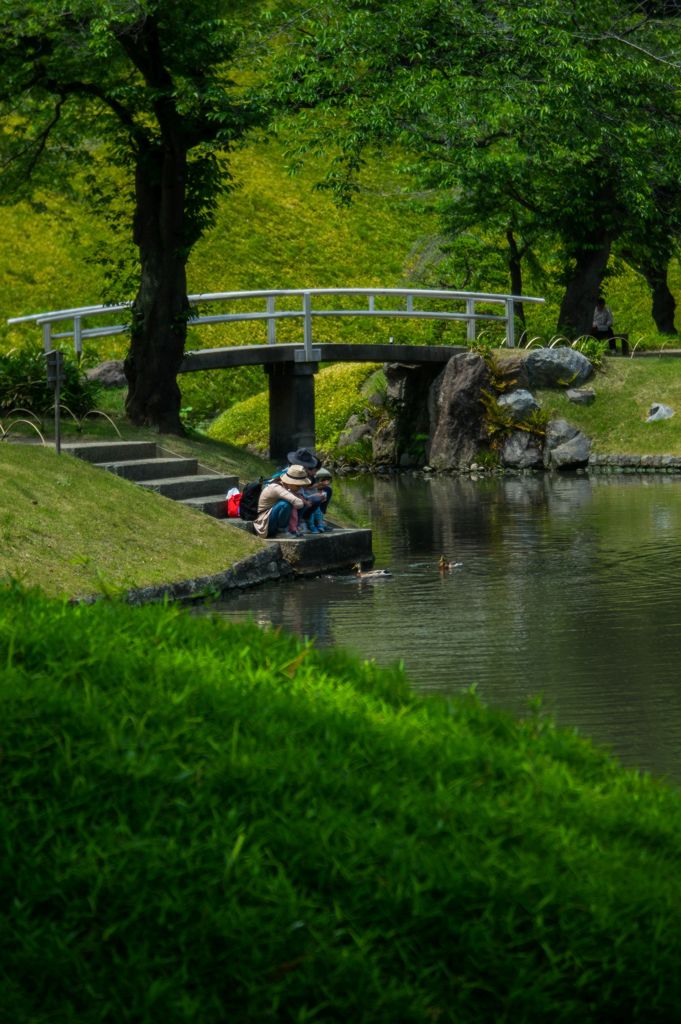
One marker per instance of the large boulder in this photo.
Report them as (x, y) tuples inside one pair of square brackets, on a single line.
[(457, 413), (354, 432), (559, 367), (510, 369), (521, 451), (384, 443), (520, 403), (109, 374), (565, 447)]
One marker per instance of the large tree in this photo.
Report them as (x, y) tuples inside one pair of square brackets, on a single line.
[(148, 80), (649, 247), (554, 115)]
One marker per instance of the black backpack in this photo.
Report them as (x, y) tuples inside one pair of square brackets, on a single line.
[(248, 508)]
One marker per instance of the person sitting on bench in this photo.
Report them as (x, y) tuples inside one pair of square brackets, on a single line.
[(602, 324), (602, 327)]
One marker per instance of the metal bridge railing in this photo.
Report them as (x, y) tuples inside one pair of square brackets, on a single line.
[(463, 308)]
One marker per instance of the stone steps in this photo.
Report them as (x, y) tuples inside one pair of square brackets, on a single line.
[(197, 485), (323, 552), (151, 469), (112, 451), (174, 477), (212, 505), (313, 553), (180, 480)]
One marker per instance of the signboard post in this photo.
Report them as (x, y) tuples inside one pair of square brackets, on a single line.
[(55, 365)]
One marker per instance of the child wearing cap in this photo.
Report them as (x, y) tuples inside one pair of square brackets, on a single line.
[(323, 480), (319, 496)]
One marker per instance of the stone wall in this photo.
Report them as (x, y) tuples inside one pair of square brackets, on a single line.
[(265, 565), (635, 463)]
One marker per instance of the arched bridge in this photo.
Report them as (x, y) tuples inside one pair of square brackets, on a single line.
[(291, 366)]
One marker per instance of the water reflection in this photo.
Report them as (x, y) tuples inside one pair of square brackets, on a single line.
[(569, 587)]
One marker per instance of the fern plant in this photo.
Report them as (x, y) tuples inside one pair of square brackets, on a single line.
[(500, 422)]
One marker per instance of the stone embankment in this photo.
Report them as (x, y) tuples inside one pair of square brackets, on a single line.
[(455, 412), (596, 464), (447, 418), (262, 567), (634, 463), (281, 558), (670, 464)]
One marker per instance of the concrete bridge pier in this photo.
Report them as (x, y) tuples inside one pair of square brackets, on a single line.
[(292, 415)]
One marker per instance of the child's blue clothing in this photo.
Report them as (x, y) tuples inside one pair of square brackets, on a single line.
[(313, 515)]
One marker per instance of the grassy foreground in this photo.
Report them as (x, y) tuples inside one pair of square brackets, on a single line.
[(206, 822)]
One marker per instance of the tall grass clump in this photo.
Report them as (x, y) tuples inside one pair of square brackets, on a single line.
[(207, 822)]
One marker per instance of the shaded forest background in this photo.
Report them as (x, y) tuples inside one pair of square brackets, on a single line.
[(276, 230)]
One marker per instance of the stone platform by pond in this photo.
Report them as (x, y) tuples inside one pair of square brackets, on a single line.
[(316, 553), (313, 553), (203, 489), (279, 560)]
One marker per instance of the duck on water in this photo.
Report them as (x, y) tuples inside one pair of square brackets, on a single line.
[(371, 574), (446, 566)]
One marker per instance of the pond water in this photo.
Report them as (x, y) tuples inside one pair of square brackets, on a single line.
[(568, 587)]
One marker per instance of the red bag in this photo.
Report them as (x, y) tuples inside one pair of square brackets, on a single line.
[(233, 502)]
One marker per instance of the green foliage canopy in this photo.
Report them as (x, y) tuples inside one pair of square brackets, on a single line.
[(134, 75), (544, 119), (147, 85)]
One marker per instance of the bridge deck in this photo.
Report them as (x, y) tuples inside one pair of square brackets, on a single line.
[(251, 355)]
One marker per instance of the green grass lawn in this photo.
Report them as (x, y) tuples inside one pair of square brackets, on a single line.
[(625, 390), (73, 529)]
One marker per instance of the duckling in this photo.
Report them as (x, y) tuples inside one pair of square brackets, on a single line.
[(446, 566), (370, 574)]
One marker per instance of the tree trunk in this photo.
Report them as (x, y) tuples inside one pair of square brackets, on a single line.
[(159, 314), (664, 303), (516, 273), (583, 287)]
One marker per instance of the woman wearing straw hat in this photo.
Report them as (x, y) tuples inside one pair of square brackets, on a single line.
[(277, 500)]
